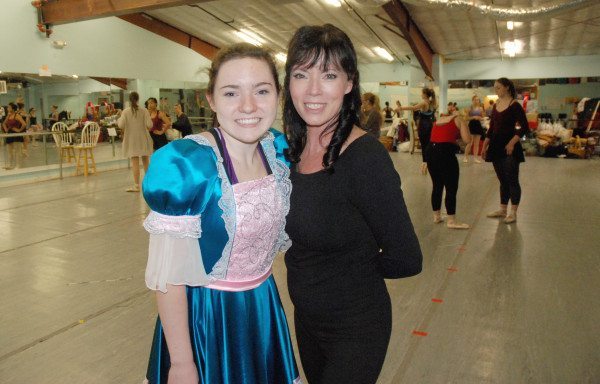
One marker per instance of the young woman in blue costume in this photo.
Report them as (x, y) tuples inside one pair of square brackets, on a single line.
[(219, 201)]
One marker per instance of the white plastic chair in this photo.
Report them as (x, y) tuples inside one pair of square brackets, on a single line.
[(85, 149), (64, 141)]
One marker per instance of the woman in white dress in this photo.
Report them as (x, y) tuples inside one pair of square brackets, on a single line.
[(137, 143)]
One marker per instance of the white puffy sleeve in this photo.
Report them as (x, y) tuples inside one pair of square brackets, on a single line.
[(176, 191), (174, 252)]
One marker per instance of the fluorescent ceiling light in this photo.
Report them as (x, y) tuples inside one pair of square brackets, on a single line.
[(75, 76), (249, 37), (383, 53), (510, 25), (335, 3), (281, 57)]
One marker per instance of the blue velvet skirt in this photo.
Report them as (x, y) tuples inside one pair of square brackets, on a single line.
[(237, 338)]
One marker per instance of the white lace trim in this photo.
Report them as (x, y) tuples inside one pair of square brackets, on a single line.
[(176, 226), (284, 186), (227, 201), (227, 205)]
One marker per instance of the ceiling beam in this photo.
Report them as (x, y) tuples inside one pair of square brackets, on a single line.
[(68, 11), (168, 31), (417, 41), (119, 82)]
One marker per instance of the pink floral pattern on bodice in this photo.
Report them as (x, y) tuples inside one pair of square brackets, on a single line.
[(259, 217)]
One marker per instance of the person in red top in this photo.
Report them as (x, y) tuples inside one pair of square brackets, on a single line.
[(440, 157), (13, 123), (160, 124), (502, 147)]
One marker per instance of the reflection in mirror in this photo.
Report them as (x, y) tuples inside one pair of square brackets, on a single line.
[(69, 99), (192, 98)]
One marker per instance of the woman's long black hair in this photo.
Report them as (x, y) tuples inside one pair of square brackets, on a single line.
[(332, 47), (508, 84)]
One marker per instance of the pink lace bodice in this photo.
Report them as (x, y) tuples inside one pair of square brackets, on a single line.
[(259, 217)]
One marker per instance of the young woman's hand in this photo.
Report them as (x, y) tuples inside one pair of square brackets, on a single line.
[(423, 168), (510, 147), (183, 373)]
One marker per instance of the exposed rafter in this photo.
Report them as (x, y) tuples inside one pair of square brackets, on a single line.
[(174, 34), (421, 48), (119, 82), (69, 11)]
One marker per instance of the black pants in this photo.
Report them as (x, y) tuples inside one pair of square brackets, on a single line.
[(507, 170), (444, 172), (158, 141), (330, 358), (424, 131)]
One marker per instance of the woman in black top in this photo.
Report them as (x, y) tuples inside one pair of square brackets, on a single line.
[(503, 148), (348, 222), (388, 113), (424, 116), (182, 124)]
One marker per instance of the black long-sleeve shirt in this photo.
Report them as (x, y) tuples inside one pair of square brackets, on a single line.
[(183, 125), (503, 129), (349, 231)]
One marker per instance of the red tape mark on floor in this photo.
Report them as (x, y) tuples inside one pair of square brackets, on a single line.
[(437, 300), (453, 269), (419, 333), (462, 248)]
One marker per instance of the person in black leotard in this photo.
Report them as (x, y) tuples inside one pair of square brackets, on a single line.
[(348, 222), (424, 115), (476, 115), (502, 146), (33, 125)]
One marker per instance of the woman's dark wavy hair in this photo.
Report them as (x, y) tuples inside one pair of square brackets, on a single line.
[(508, 84), (330, 47)]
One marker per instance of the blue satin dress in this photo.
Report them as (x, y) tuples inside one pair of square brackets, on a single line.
[(241, 336)]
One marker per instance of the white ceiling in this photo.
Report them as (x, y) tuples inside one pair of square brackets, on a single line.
[(463, 35), (276, 20), (455, 34)]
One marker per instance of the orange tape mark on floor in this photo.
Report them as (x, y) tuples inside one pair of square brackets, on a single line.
[(419, 333), (437, 300)]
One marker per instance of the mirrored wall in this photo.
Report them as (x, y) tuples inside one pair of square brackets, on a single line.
[(77, 99), (554, 98)]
